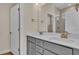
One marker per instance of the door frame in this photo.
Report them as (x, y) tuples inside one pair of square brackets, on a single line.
[(10, 25)]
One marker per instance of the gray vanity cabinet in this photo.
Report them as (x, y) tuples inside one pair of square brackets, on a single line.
[(39, 49), (37, 46), (57, 49), (31, 49), (75, 51), (39, 42), (31, 46), (37, 53), (46, 52)]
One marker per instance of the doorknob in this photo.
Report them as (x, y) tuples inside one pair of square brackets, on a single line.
[(10, 32)]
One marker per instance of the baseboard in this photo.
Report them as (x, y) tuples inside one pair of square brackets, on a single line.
[(5, 51), (8, 53), (13, 52)]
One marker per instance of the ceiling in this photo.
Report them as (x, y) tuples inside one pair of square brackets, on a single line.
[(62, 5), (58, 5)]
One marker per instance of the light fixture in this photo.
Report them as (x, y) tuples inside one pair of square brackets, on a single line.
[(36, 4), (69, 4), (77, 6)]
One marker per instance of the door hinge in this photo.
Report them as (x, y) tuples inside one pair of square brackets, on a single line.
[(18, 49), (10, 32), (18, 9)]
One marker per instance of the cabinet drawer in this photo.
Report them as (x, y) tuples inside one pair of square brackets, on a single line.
[(48, 53), (33, 52), (38, 53), (33, 46), (39, 42), (31, 39), (28, 48), (61, 50), (75, 51), (39, 49)]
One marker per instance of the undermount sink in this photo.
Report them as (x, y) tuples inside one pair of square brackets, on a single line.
[(51, 34), (61, 39)]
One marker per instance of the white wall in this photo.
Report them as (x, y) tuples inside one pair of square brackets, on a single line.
[(4, 27)]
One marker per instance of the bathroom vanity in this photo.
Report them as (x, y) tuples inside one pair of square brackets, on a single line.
[(51, 44)]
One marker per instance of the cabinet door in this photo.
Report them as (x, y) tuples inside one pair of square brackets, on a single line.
[(38, 53), (28, 48), (31, 49), (75, 51), (31, 39), (61, 50), (33, 52), (39, 42), (48, 53), (39, 49)]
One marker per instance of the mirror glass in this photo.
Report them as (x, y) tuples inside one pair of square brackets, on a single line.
[(58, 17), (49, 19), (71, 17)]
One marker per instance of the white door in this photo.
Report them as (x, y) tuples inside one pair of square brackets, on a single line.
[(15, 30)]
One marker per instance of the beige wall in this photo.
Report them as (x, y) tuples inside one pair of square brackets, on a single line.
[(28, 12), (4, 27)]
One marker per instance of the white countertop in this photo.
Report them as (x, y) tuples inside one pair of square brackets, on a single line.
[(72, 42)]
